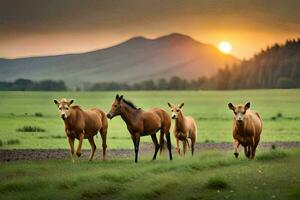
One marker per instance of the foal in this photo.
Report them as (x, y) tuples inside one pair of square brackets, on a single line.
[(82, 124), (247, 127), (185, 128), (140, 123)]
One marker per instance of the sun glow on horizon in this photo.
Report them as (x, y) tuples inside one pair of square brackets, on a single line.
[(225, 47)]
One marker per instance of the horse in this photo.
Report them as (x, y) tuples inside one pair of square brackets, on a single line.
[(247, 128), (82, 124), (141, 123), (185, 128)]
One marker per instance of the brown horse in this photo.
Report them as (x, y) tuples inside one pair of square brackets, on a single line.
[(247, 128), (185, 128), (82, 124), (140, 123)]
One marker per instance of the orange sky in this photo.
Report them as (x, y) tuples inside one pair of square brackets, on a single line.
[(50, 27)]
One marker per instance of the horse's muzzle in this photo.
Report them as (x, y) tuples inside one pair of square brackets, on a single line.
[(240, 121), (64, 117), (109, 116)]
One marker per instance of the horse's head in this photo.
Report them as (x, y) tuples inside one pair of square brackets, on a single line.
[(175, 109), (239, 111), (115, 107), (64, 107)]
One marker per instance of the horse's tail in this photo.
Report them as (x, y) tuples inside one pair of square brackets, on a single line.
[(104, 120)]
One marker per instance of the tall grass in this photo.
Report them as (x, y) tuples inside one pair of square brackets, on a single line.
[(30, 129)]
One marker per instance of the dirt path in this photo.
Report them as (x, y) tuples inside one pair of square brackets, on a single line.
[(46, 154)]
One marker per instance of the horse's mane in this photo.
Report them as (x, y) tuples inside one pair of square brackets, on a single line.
[(129, 103), (76, 107)]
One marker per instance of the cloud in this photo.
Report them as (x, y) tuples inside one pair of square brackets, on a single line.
[(110, 18)]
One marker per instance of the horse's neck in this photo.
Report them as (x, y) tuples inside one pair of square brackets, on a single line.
[(71, 119), (241, 128), (180, 121), (128, 114)]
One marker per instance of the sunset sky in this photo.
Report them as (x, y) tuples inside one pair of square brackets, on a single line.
[(50, 27)]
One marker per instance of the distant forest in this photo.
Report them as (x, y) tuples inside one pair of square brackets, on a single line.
[(29, 85), (277, 66)]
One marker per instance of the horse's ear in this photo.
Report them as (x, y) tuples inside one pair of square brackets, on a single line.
[(231, 106), (121, 97), (181, 105), (247, 106), (170, 105), (117, 97), (56, 101), (72, 101)]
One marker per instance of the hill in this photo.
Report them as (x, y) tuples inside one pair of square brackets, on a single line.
[(134, 60)]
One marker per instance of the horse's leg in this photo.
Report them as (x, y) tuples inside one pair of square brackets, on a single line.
[(253, 150), (169, 144), (184, 142), (193, 145), (188, 143), (78, 152), (93, 147), (155, 142), (71, 143), (247, 151), (161, 141), (136, 142), (236, 145), (103, 133), (177, 146)]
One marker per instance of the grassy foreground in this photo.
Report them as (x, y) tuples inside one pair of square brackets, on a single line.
[(279, 110), (209, 175)]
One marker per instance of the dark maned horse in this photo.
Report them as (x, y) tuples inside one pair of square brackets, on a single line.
[(140, 123)]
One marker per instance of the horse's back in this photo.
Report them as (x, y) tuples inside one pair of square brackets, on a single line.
[(162, 116), (192, 126), (255, 121), (93, 118)]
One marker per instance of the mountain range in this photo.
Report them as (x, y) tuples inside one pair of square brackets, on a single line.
[(134, 60)]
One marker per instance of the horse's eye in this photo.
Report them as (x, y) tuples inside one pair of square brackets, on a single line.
[(177, 110), (115, 106), (67, 108), (59, 108), (234, 112)]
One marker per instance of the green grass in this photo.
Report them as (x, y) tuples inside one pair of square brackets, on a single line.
[(208, 175), (279, 110)]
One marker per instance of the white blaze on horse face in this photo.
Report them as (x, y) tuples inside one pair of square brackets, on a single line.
[(239, 116), (174, 115), (64, 111), (175, 112)]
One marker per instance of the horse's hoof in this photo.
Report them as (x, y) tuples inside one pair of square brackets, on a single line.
[(236, 155), (78, 154)]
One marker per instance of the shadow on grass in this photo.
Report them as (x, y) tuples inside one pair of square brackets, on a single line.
[(216, 183), (19, 186), (101, 192), (30, 129), (274, 154)]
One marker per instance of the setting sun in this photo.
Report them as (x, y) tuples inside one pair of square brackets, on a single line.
[(225, 47)]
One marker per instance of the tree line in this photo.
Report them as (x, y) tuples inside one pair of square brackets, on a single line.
[(277, 66), (29, 85)]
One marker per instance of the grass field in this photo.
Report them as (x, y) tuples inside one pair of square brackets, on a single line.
[(279, 110), (274, 174)]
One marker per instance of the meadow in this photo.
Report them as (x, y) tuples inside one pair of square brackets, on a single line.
[(31, 120), (274, 174)]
